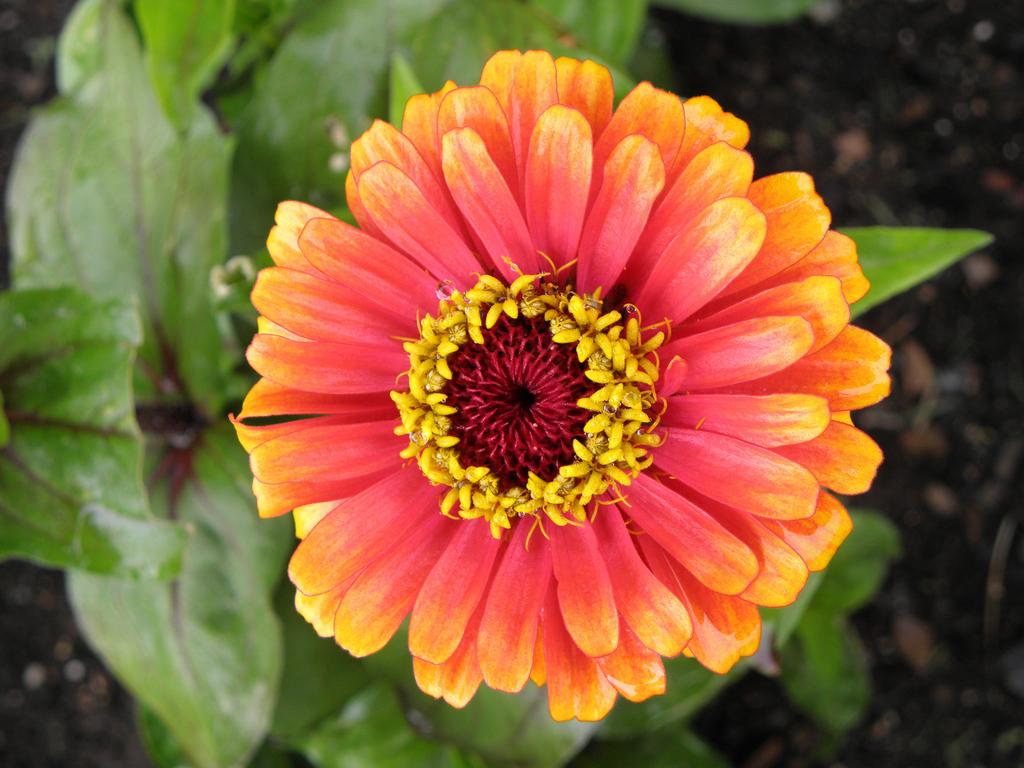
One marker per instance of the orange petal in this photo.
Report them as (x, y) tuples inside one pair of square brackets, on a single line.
[(358, 530), (557, 182), (458, 678), (817, 537), (584, 590), (819, 300), (741, 352), (843, 458), (355, 205), (383, 143), (586, 86), (478, 108), (647, 606), (525, 84), (319, 610), (419, 123), (508, 630), (486, 203), (741, 475), (645, 111), (324, 310), (499, 74), (715, 247), (251, 436), (308, 516), (835, 255), (781, 572), (717, 172), (451, 593), (366, 265), (767, 420), (851, 372), (633, 669), (539, 673), (408, 220), (797, 222), (713, 554), (282, 242), (706, 124), (273, 499), (264, 325), (338, 369), (383, 594), (269, 399), (725, 628), (576, 686), (633, 178)]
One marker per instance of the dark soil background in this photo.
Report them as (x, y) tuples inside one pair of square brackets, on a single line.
[(906, 113)]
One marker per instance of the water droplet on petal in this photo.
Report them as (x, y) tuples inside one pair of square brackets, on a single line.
[(445, 289)]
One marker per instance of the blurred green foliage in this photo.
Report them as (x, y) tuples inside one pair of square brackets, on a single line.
[(176, 131), (744, 11)]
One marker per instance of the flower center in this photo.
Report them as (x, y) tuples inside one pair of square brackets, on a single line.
[(526, 399), (515, 397)]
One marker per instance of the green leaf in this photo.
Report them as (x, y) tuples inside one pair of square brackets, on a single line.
[(823, 667), (70, 468), (203, 652), (652, 61), (5, 425), (824, 671), (105, 195), (502, 728), (330, 78), (610, 28), (667, 748), (689, 687), (158, 741), (897, 258), (79, 55), (186, 44), (402, 86), (859, 567), (743, 11), (318, 678), (372, 732), (783, 621)]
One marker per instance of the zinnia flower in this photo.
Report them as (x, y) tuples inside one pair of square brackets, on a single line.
[(567, 397)]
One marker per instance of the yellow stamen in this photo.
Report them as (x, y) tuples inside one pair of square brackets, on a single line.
[(620, 358)]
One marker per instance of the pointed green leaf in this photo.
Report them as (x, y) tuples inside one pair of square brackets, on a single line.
[(70, 468), (898, 258), (105, 195), (186, 43), (203, 652)]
